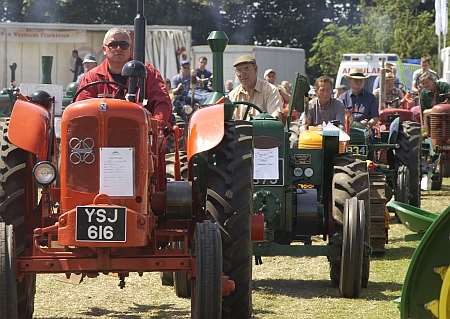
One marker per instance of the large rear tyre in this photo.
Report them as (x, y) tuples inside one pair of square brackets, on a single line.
[(352, 248), (207, 286), (410, 142), (350, 179), (8, 287), (13, 200), (229, 201)]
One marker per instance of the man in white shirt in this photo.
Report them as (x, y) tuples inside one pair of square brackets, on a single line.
[(251, 89)]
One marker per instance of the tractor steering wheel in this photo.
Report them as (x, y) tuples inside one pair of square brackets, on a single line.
[(97, 83), (247, 110)]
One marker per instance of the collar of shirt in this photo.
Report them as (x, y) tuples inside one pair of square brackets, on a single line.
[(258, 87), (361, 93)]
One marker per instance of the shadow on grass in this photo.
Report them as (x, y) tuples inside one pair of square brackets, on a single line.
[(308, 289), (163, 311), (395, 253)]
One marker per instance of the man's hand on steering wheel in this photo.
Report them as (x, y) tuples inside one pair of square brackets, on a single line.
[(247, 110)]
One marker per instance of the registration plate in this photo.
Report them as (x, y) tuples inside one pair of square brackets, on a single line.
[(101, 224), (357, 149)]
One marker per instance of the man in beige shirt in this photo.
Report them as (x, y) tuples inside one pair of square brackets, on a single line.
[(254, 90)]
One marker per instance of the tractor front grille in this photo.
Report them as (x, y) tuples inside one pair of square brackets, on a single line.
[(440, 129)]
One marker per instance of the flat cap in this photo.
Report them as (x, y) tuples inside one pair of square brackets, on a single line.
[(247, 58)]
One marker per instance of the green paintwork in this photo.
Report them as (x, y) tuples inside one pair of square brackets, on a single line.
[(422, 284), (416, 219), (285, 218), (47, 69), (218, 41)]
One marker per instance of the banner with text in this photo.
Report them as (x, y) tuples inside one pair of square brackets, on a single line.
[(39, 36)]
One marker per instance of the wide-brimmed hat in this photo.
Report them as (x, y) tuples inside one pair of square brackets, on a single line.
[(247, 58), (357, 74)]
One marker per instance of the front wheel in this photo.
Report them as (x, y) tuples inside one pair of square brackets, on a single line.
[(207, 286), (352, 248)]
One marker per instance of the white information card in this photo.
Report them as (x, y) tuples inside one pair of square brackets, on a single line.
[(265, 163), (117, 171)]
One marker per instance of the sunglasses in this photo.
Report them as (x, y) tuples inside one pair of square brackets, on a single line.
[(118, 44)]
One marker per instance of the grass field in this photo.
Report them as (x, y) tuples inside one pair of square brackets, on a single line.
[(284, 287)]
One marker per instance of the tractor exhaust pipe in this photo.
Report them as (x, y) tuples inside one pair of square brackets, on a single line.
[(135, 69)]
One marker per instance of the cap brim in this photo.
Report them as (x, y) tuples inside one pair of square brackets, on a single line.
[(357, 77)]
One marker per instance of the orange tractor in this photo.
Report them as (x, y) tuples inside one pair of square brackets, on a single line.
[(103, 204)]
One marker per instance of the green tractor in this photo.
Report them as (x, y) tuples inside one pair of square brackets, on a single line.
[(393, 150), (313, 189)]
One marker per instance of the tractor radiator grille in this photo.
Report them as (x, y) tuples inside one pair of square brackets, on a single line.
[(440, 129), (83, 154)]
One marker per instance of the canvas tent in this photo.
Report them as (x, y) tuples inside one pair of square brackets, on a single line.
[(26, 43)]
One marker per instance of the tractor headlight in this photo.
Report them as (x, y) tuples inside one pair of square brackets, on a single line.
[(298, 171), (309, 172), (187, 109), (44, 172)]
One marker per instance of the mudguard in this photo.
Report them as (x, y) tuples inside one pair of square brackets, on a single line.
[(393, 131), (28, 128), (206, 129)]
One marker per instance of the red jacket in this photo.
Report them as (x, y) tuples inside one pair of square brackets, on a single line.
[(158, 99)]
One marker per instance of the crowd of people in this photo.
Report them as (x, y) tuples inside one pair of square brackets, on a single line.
[(193, 85)]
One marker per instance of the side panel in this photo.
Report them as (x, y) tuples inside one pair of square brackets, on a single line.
[(206, 129), (28, 128)]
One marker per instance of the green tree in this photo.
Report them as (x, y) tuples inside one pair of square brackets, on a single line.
[(404, 27)]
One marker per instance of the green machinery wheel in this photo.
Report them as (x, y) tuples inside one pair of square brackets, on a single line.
[(350, 283), (13, 199), (350, 179), (207, 286), (426, 290), (229, 201), (410, 141)]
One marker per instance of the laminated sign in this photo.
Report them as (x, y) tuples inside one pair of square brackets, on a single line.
[(117, 171), (265, 163)]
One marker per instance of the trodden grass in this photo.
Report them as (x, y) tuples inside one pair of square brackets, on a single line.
[(284, 287)]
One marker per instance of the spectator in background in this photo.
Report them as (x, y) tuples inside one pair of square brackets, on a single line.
[(324, 107), (254, 90), (425, 65), (389, 67), (77, 65), (358, 100), (287, 86), (169, 88), (89, 62), (271, 76), (393, 94), (203, 75), (340, 90), (181, 82), (228, 86)]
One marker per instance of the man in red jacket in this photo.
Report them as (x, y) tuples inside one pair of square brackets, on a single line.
[(117, 51)]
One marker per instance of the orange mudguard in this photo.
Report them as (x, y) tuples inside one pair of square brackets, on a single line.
[(28, 128), (206, 129)]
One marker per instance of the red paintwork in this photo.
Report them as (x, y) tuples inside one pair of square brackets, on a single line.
[(257, 229), (28, 128), (206, 129), (405, 115)]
